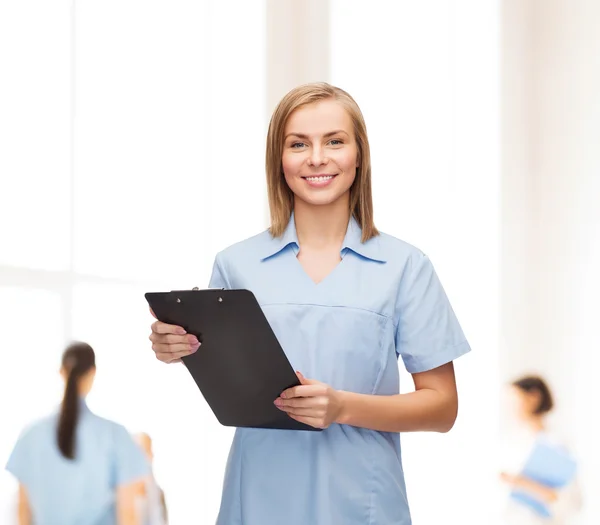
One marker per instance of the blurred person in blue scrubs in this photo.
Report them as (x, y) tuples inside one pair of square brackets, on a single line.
[(73, 467), (542, 473), (152, 506), (345, 301)]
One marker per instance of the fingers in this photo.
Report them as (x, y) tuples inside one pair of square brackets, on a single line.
[(170, 348), (168, 352), (305, 391), (171, 357), (302, 402), (164, 328), (306, 381), (311, 410), (170, 343), (315, 407), (305, 412), (507, 478), (171, 339), (310, 421)]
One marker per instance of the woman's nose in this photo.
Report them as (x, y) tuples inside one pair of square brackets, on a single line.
[(317, 156)]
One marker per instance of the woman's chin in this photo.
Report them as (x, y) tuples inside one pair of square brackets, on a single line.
[(321, 198)]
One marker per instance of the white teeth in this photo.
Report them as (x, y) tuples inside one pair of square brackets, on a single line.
[(319, 179)]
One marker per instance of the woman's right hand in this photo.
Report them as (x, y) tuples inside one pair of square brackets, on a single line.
[(170, 343)]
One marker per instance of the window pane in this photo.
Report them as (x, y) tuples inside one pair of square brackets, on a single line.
[(238, 122), (140, 138), (169, 146), (30, 385), (35, 133), (132, 387)]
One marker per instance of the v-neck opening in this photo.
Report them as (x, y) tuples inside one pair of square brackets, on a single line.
[(327, 277)]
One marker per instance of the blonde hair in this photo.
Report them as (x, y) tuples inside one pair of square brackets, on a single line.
[(281, 197)]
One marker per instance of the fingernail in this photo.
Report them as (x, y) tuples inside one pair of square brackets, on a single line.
[(193, 348), (192, 339), (277, 402), (181, 331), (282, 394)]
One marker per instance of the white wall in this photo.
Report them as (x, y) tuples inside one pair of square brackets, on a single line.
[(298, 46), (567, 171), (519, 202), (551, 212)]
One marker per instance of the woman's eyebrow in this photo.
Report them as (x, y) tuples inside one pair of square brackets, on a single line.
[(303, 136)]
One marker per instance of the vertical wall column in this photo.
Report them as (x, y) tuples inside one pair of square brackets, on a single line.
[(298, 45)]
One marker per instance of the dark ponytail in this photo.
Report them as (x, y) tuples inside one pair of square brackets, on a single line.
[(77, 360), (536, 385)]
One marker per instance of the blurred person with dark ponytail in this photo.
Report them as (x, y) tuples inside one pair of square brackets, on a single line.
[(542, 479), (73, 467)]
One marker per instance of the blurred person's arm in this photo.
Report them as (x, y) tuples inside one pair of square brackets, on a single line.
[(126, 503), (532, 487), (164, 506), (24, 510), (130, 470)]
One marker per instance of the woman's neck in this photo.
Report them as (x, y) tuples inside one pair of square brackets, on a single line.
[(536, 424), (321, 227)]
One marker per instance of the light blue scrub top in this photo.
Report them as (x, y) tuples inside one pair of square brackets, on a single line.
[(80, 491), (382, 300)]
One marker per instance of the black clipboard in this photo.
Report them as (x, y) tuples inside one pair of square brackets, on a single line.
[(240, 367)]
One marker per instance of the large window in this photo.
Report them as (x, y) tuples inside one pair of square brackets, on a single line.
[(426, 77), (132, 134)]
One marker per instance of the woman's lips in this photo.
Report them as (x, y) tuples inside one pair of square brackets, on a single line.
[(319, 181)]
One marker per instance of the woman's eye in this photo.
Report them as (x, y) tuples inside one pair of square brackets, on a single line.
[(336, 142), (297, 145)]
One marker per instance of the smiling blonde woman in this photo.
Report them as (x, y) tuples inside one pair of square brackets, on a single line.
[(345, 301)]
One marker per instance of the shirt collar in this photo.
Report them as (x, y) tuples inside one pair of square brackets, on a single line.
[(352, 241)]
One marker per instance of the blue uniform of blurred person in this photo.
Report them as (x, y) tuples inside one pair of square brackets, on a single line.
[(73, 467)]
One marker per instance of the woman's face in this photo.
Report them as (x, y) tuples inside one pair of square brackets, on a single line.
[(523, 403), (320, 154)]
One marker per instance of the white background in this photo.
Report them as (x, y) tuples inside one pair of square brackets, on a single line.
[(132, 149)]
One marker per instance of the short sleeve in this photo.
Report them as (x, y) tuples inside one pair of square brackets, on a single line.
[(218, 278), (428, 334), (130, 463), (20, 462)]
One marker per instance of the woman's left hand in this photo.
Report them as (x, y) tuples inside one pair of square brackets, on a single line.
[(511, 479), (312, 402), (539, 490)]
